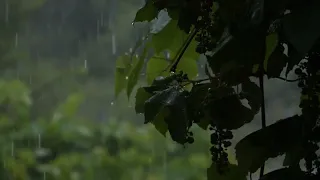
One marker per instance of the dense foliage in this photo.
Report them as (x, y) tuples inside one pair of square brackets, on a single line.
[(243, 41), (66, 146)]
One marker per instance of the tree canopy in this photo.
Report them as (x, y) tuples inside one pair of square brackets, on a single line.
[(243, 42)]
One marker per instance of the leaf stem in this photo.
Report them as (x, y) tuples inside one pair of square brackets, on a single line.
[(174, 66), (288, 80), (263, 111)]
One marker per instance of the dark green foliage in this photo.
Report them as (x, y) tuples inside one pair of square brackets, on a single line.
[(241, 40)]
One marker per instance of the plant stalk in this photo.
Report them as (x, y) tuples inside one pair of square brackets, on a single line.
[(263, 109)]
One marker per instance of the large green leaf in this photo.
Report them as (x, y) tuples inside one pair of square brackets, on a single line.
[(135, 74), (125, 65), (158, 101), (173, 39), (256, 148), (141, 97), (188, 66), (226, 109), (178, 119), (156, 67), (169, 104), (147, 13), (122, 70), (195, 101)]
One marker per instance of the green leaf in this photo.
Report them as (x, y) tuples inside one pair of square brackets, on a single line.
[(276, 62), (135, 74), (197, 96), (271, 44), (156, 67), (147, 13), (172, 38), (172, 102), (234, 173), (141, 97), (178, 119), (123, 66), (223, 101), (158, 101), (188, 66), (252, 93), (253, 150), (159, 122)]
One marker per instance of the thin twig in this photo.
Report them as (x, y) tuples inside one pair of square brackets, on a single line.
[(288, 80), (176, 61)]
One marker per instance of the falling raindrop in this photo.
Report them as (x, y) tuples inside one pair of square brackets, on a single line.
[(30, 79), (7, 12), (130, 50), (39, 140), (85, 64), (98, 29), (127, 77), (112, 103), (12, 148), (113, 36), (16, 40), (39, 146), (101, 19)]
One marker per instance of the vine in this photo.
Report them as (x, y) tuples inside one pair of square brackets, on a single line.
[(241, 41)]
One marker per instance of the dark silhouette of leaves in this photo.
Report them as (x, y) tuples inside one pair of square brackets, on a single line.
[(301, 29), (287, 173), (245, 50), (234, 173), (219, 108), (256, 148), (169, 106), (276, 62), (252, 93)]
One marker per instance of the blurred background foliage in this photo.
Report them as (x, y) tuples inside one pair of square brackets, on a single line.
[(59, 116)]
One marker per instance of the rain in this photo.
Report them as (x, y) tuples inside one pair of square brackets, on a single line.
[(62, 56)]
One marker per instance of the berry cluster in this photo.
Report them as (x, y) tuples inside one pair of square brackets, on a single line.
[(209, 28), (220, 140), (309, 81)]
